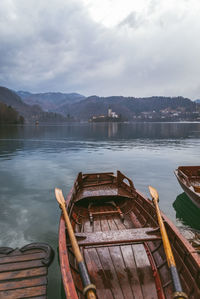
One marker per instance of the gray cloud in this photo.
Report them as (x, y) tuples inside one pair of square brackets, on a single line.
[(56, 46)]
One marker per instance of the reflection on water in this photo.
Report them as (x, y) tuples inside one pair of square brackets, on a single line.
[(145, 130), (186, 211), (112, 129), (103, 130), (95, 135)]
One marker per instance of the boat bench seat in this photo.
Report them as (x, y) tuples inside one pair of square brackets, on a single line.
[(138, 235)]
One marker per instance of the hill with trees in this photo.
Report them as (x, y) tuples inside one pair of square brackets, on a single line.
[(127, 106), (76, 107), (8, 115), (30, 113)]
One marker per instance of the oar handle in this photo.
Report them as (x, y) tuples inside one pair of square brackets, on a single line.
[(178, 294)]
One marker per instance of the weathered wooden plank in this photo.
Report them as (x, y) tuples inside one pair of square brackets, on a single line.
[(97, 273), (23, 293), (87, 226), (23, 273), (127, 222), (22, 257), (145, 272), (25, 283), (96, 224), (131, 270), (17, 252), (109, 270), (120, 268), (102, 190), (120, 225), (21, 265), (109, 212), (104, 226), (112, 223), (115, 237)]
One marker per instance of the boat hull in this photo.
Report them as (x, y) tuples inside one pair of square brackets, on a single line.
[(117, 231), (188, 189)]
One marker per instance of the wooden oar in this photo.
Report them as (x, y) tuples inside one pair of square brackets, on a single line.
[(89, 288), (178, 291)]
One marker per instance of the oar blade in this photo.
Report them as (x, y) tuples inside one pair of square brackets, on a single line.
[(154, 193), (59, 196)]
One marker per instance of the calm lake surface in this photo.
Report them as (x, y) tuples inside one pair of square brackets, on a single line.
[(35, 160)]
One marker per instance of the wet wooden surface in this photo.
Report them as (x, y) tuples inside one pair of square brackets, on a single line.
[(23, 272), (116, 237), (102, 190), (118, 271), (122, 270)]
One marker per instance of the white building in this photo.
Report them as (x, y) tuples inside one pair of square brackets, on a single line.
[(112, 114)]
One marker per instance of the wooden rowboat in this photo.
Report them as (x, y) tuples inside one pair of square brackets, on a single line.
[(189, 179), (117, 230)]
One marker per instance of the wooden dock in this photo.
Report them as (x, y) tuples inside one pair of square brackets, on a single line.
[(23, 272)]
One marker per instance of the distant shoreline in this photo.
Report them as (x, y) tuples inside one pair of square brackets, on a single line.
[(87, 122)]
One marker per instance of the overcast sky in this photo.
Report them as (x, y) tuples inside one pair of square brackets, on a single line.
[(102, 47)]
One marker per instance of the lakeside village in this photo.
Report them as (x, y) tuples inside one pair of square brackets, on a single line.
[(167, 114)]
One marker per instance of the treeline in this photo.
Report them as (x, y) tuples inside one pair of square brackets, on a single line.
[(138, 105), (8, 115), (127, 106)]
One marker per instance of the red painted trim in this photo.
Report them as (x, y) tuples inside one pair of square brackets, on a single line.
[(67, 278), (68, 282), (155, 273)]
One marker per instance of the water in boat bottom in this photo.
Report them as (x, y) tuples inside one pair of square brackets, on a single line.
[(36, 159)]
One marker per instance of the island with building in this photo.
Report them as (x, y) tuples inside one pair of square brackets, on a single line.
[(110, 117)]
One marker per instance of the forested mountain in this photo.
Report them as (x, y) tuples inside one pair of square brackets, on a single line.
[(30, 113), (10, 98), (50, 101), (77, 107), (9, 115)]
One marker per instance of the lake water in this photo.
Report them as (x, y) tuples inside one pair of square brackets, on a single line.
[(35, 160)]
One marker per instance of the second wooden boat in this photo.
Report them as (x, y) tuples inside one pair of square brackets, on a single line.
[(117, 230), (23, 272), (189, 179)]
